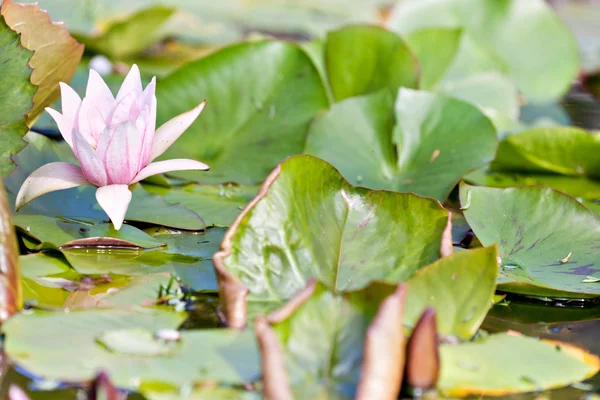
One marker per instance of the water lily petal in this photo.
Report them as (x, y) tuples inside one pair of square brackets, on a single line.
[(122, 155), (160, 167), (90, 163), (70, 101), (99, 94), (48, 178), (127, 109), (91, 123), (170, 131), (149, 100), (149, 93), (65, 126), (132, 82), (114, 200)]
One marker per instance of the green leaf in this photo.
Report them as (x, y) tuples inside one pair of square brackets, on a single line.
[(494, 366), (536, 228), (307, 221), (261, 98), (219, 205), (460, 288), (564, 151), (130, 35), (80, 203), (435, 49), (207, 393), (434, 142), (36, 340), (524, 39), (135, 342), (365, 59), (16, 94), (142, 290)]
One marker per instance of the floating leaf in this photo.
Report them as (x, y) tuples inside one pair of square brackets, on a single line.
[(16, 94), (130, 35), (430, 144), (535, 228), (261, 96), (460, 288), (365, 59), (135, 342), (35, 341), (56, 53), (523, 39), (340, 234), (493, 366)]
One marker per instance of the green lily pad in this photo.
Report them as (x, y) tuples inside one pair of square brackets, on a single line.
[(525, 40), (208, 393), (425, 146), (546, 239), (135, 342), (140, 290), (16, 99), (80, 203), (219, 205), (344, 236), (261, 98), (459, 287), (130, 35), (365, 59), (435, 49), (36, 340), (494, 366)]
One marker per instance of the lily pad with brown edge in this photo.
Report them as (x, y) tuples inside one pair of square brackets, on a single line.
[(508, 363), (34, 341), (460, 288), (261, 99), (327, 345), (16, 94), (423, 143), (308, 222), (547, 240), (80, 204), (56, 54), (361, 59)]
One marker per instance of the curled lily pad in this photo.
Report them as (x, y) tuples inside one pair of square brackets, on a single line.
[(56, 53), (308, 222), (536, 228), (11, 296), (261, 99), (36, 340), (424, 143)]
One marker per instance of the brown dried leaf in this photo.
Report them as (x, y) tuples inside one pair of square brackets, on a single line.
[(276, 384), (56, 55), (11, 298), (422, 354)]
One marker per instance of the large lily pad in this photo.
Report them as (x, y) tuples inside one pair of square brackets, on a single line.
[(56, 53), (365, 59), (36, 340), (521, 39), (423, 144), (261, 97), (495, 366), (80, 203), (16, 94), (308, 222), (460, 288), (547, 240)]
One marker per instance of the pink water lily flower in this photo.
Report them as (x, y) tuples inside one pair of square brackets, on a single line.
[(115, 141)]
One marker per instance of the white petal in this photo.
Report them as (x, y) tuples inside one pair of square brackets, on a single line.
[(133, 81), (91, 124), (178, 164), (114, 200), (70, 101), (170, 131), (91, 165), (126, 109), (64, 125), (100, 95), (122, 156), (48, 178)]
